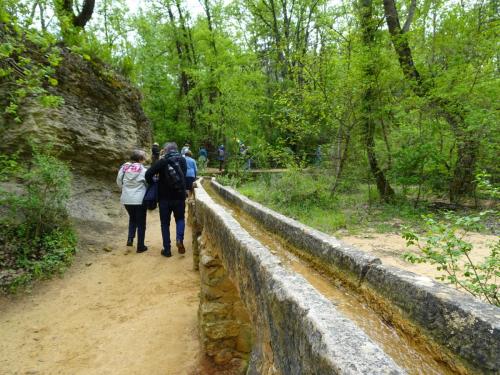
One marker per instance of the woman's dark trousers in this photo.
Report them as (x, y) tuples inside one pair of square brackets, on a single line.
[(137, 221)]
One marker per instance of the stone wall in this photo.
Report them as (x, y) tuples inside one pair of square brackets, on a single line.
[(291, 327), (224, 323), (466, 330)]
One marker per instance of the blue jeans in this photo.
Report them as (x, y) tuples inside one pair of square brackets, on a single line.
[(166, 209), (136, 221)]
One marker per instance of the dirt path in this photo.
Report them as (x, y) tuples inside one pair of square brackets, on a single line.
[(390, 247), (113, 312)]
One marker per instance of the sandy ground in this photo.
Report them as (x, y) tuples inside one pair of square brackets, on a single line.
[(113, 312), (389, 247)]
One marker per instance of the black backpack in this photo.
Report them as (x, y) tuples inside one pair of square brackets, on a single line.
[(174, 175)]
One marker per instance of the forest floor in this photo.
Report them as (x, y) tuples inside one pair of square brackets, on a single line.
[(113, 312)]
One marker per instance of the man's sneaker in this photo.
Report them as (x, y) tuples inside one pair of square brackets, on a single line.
[(130, 242), (142, 249), (166, 253), (180, 247)]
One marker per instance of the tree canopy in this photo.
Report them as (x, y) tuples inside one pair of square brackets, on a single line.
[(404, 93)]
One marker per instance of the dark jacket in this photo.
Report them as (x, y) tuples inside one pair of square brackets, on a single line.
[(165, 191), (155, 153)]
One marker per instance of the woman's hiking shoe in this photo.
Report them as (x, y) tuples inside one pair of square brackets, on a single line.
[(142, 249), (180, 247), (166, 253), (130, 242)]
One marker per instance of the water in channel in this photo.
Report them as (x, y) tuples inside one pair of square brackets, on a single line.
[(400, 348)]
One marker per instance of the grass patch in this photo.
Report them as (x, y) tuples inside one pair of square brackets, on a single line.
[(356, 209)]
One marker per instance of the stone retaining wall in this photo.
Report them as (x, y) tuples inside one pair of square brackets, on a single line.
[(292, 328), (464, 327)]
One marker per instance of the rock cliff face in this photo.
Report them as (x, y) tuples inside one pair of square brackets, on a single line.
[(95, 129)]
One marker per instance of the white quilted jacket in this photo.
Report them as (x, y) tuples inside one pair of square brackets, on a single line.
[(131, 179)]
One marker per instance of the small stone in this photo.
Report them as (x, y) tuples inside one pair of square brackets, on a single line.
[(244, 340), (211, 293), (223, 357), (221, 329), (212, 311), (209, 261), (239, 312), (107, 249)]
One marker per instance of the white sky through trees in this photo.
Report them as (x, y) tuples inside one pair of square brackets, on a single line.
[(193, 6)]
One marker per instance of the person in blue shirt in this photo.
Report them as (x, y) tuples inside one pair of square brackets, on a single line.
[(203, 157), (192, 170)]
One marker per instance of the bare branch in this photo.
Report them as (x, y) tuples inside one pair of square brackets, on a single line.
[(409, 18)]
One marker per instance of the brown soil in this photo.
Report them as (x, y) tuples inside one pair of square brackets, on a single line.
[(389, 247), (113, 312)]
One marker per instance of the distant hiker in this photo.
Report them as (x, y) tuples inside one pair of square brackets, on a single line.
[(155, 152), (131, 179), (245, 156), (221, 156), (191, 173), (203, 157), (248, 157), (171, 169), (318, 158), (243, 149), (185, 149)]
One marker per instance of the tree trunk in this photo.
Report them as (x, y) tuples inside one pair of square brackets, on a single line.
[(383, 186), (186, 82), (213, 91), (368, 29), (65, 13), (462, 182), (342, 157)]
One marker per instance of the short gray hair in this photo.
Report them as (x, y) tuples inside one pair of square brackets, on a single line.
[(138, 156), (170, 146)]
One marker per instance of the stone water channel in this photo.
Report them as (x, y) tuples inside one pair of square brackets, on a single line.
[(408, 354), (283, 298)]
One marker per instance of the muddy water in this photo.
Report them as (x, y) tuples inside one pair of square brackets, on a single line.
[(399, 347)]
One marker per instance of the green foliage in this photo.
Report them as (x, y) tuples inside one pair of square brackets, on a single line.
[(27, 67), (9, 167), (306, 195), (444, 245), (229, 180), (298, 188), (36, 238), (284, 82), (484, 186)]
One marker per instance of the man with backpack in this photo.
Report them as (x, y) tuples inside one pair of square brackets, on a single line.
[(171, 171)]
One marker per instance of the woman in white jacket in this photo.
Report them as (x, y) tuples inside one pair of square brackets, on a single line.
[(131, 179)]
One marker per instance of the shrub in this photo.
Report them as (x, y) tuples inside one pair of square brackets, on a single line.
[(296, 187), (229, 180), (36, 238), (443, 244)]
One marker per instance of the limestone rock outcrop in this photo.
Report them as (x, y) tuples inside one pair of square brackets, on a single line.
[(95, 129)]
